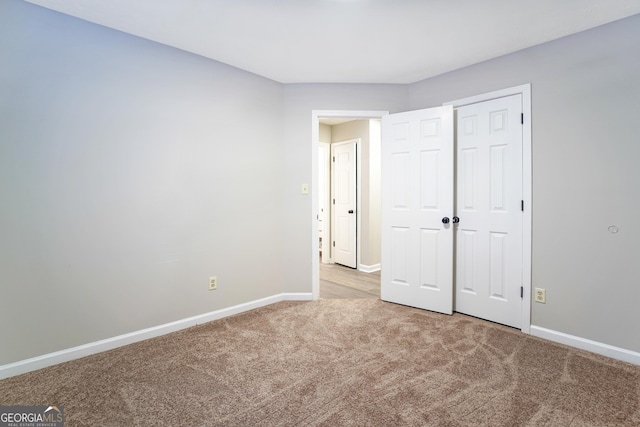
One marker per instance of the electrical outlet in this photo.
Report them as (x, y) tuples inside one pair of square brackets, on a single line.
[(213, 283), (541, 295)]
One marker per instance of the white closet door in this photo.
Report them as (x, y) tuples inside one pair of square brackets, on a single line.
[(417, 206), (489, 197)]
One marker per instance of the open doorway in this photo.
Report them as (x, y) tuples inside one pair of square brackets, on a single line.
[(335, 127)]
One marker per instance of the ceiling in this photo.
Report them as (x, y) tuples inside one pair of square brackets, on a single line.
[(348, 41)]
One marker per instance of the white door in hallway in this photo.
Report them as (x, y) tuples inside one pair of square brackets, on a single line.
[(344, 192), (489, 196), (417, 194)]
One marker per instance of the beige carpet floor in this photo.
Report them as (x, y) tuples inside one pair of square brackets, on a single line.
[(338, 363)]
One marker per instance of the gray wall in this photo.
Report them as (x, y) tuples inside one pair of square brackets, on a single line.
[(586, 146), (130, 172)]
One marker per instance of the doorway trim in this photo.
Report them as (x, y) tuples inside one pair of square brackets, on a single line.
[(525, 91), (316, 115)]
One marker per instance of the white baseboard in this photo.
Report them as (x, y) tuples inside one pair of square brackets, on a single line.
[(39, 362), (369, 268), (302, 296), (585, 344)]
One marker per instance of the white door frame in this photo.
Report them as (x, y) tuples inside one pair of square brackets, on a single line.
[(316, 115), (525, 91)]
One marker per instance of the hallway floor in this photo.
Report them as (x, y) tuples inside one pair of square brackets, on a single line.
[(339, 282)]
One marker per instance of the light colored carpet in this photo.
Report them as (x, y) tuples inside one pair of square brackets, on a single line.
[(338, 363)]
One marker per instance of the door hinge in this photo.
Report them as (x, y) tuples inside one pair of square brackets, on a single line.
[(521, 118), (334, 243), (521, 291), (334, 201), (522, 205), (334, 159)]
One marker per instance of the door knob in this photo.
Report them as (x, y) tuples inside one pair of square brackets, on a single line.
[(455, 220), (350, 210), (445, 220)]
